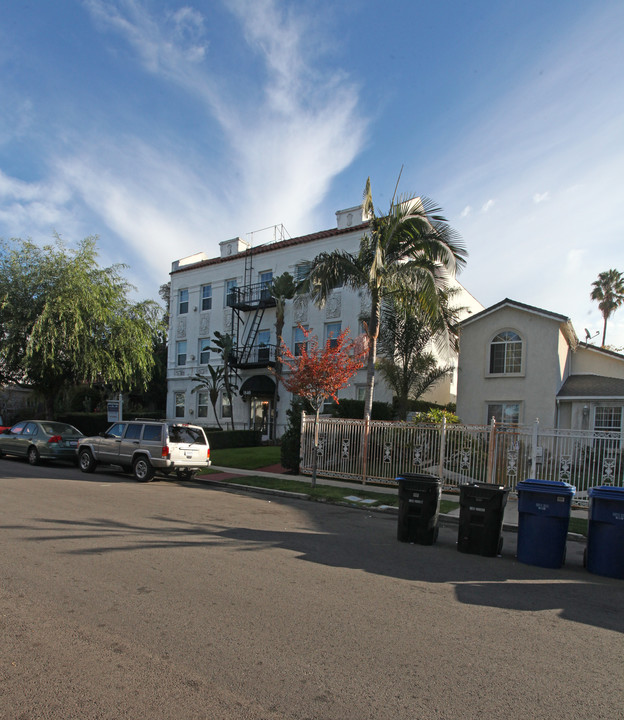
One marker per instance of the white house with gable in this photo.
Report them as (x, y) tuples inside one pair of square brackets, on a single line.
[(229, 294)]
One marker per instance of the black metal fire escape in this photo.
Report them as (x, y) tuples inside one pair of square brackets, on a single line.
[(248, 304)]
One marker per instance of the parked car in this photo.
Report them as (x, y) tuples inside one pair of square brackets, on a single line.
[(39, 440), (145, 446)]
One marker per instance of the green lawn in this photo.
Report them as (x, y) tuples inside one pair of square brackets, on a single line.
[(247, 458)]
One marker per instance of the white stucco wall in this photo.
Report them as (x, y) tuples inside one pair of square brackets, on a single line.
[(345, 306)]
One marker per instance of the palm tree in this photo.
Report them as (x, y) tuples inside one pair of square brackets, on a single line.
[(213, 385), (282, 290), (407, 364), (409, 255), (224, 346), (608, 291)]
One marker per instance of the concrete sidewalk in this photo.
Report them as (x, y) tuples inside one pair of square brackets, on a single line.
[(510, 517)]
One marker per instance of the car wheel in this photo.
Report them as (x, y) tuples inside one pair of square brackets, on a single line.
[(143, 470), (33, 455), (184, 474), (86, 461)]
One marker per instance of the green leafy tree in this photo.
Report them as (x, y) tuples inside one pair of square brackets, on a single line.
[(213, 385), (409, 255), (282, 289), (608, 291), (223, 345), (64, 320), (406, 341)]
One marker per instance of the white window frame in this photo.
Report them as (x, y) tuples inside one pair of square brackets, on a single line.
[(206, 297), (181, 353), (332, 331), (504, 405), (183, 301), (509, 353), (203, 351), (179, 399), (203, 400)]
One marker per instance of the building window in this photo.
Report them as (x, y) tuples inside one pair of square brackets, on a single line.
[(183, 300), (608, 419), (266, 278), (206, 297), (302, 271), (180, 404), (264, 338), (299, 341), (181, 352), (506, 354), (202, 404), (230, 286), (226, 408), (504, 413), (204, 351), (360, 392), (332, 331)]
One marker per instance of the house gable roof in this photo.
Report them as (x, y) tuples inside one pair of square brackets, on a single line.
[(564, 322), (591, 386)]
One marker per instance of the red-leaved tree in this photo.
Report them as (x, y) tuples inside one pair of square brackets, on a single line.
[(317, 373)]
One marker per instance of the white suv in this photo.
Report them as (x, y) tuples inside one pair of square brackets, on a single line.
[(145, 446)]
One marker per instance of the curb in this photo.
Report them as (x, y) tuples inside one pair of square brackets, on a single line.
[(443, 519)]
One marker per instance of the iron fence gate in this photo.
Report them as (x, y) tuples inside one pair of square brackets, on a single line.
[(379, 452)]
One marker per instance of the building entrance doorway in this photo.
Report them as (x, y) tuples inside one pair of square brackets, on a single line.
[(261, 416)]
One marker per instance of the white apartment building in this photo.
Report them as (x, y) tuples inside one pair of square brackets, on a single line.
[(228, 294)]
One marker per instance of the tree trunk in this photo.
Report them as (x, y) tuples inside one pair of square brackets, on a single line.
[(604, 332), (373, 333), (315, 455)]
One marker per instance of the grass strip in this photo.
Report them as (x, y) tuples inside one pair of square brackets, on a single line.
[(329, 493)]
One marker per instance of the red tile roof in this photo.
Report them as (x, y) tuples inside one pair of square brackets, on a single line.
[(274, 246)]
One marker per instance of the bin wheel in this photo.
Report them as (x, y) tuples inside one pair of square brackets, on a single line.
[(500, 547)]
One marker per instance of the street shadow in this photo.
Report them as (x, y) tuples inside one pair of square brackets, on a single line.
[(358, 539)]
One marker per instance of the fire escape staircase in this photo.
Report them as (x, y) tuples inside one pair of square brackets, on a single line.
[(248, 305)]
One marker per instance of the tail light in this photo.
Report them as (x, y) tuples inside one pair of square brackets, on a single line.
[(165, 452), (208, 454), (55, 439)]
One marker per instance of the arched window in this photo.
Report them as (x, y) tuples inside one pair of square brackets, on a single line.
[(506, 354)]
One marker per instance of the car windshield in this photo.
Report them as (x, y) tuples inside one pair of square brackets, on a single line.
[(57, 428), (181, 434)]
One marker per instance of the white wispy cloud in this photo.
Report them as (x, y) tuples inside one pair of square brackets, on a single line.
[(540, 197), (286, 150)]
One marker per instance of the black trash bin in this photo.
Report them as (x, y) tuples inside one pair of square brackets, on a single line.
[(481, 513), (419, 508), (543, 520), (605, 532)]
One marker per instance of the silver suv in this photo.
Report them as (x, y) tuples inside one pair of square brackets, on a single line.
[(145, 446)]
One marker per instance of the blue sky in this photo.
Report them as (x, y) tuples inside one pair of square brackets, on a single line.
[(166, 127)]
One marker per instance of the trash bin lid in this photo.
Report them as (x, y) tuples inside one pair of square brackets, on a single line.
[(607, 492), (484, 486), (552, 487), (419, 477)]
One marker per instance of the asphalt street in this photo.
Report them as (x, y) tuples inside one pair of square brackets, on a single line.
[(172, 600)]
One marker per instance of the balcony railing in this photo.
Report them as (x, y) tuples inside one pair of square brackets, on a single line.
[(258, 356), (250, 297)]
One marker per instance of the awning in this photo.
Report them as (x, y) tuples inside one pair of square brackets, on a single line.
[(258, 385)]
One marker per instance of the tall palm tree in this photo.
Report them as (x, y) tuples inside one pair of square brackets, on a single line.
[(282, 290), (608, 291), (409, 255)]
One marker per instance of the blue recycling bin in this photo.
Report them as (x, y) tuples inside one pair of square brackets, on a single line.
[(605, 532), (543, 520)]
